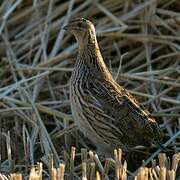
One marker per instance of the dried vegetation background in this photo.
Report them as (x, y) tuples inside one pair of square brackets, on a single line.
[(140, 42)]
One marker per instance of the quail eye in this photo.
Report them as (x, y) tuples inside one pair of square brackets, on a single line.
[(82, 25), (79, 24)]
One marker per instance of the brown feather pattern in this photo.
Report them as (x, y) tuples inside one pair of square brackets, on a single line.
[(102, 109)]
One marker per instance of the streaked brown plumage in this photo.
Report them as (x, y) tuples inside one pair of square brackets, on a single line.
[(102, 109)]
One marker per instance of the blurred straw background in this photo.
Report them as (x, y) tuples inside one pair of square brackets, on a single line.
[(140, 43)]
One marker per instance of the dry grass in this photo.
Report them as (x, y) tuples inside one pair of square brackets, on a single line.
[(91, 168), (141, 46)]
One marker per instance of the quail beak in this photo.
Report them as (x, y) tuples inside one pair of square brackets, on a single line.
[(66, 27), (71, 27)]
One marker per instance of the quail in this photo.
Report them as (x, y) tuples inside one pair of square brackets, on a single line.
[(102, 109)]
